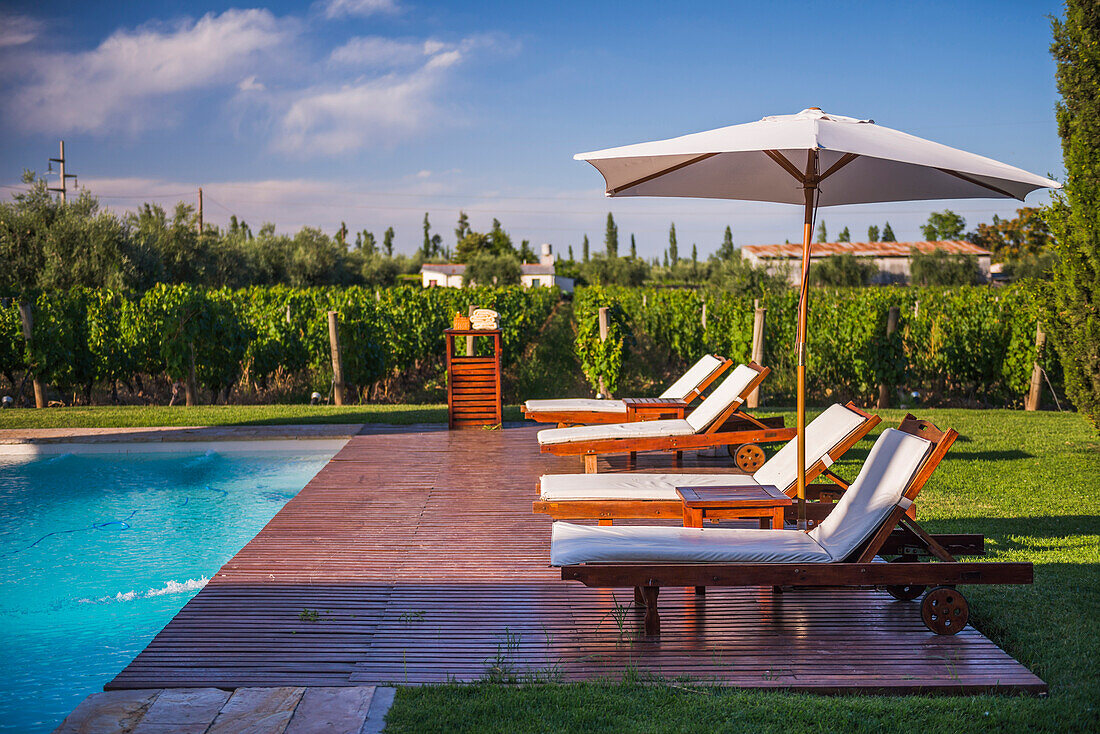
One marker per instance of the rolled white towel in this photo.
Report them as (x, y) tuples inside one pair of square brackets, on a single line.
[(484, 319)]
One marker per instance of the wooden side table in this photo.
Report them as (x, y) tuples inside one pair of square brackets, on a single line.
[(734, 502), (473, 383), (649, 409)]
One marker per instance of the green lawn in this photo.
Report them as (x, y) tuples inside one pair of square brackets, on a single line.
[(134, 416), (1029, 481)]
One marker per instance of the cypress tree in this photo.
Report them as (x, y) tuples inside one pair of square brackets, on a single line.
[(673, 251), (387, 241), (584, 249), (822, 234), (611, 238), (726, 251), (426, 248), (888, 233), (633, 248), (872, 233), (1073, 297), (844, 236)]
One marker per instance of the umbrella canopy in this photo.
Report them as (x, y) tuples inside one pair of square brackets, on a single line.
[(878, 164), (814, 159)]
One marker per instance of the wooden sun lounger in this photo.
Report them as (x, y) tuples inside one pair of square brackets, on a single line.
[(607, 510), (748, 430), (635, 409), (898, 538)]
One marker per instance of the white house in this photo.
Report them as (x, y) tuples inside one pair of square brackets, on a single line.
[(891, 258), (532, 275)]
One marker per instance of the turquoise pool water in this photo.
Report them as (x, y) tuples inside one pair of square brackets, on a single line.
[(100, 551)]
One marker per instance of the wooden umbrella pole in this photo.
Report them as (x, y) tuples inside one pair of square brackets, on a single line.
[(810, 189)]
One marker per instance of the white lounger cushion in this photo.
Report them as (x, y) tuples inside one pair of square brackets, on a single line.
[(823, 434), (571, 487), (572, 544), (641, 429), (725, 395), (678, 390), (893, 461), (891, 464), (575, 404), (693, 378)]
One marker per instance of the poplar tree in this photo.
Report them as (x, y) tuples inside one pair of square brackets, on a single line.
[(844, 236), (872, 233), (1073, 303), (822, 233)]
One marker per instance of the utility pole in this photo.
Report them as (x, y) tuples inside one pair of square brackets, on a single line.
[(200, 210), (64, 177)]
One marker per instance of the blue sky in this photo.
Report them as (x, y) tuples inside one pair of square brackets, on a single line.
[(375, 111)]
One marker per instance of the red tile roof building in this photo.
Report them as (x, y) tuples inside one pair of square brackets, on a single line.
[(891, 258)]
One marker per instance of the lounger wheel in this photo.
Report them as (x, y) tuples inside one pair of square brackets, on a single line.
[(908, 592), (945, 611), (748, 456)]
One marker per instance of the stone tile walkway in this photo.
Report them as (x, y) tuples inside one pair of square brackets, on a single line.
[(283, 710)]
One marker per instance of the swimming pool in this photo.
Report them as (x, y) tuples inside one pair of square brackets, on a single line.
[(100, 551)]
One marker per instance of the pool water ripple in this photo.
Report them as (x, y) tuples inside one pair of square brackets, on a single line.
[(100, 551)]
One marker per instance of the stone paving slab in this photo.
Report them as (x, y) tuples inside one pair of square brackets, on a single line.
[(108, 712), (331, 711), (285, 710), (182, 710), (257, 711)]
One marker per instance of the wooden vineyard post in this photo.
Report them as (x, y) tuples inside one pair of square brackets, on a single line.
[(603, 338), (1034, 393), (337, 359), (190, 385), (474, 397), (884, 390), (27, 318), (758, 314)]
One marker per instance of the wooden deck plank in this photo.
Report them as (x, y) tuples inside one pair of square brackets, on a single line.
[(420, 555)]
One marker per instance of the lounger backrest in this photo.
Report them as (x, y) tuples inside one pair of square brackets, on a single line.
[(724, 396), (890, 466), (823, 434), (693, 378)]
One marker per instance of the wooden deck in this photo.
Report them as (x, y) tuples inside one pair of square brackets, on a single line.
[(423, 562)]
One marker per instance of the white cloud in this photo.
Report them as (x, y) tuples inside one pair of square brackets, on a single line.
[(379, 52), (17, 30), (360, 8), (249, 84), (333, 121), (403, 101), (115, 85)]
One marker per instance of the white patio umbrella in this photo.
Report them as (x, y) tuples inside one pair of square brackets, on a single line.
[(813, 159)]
